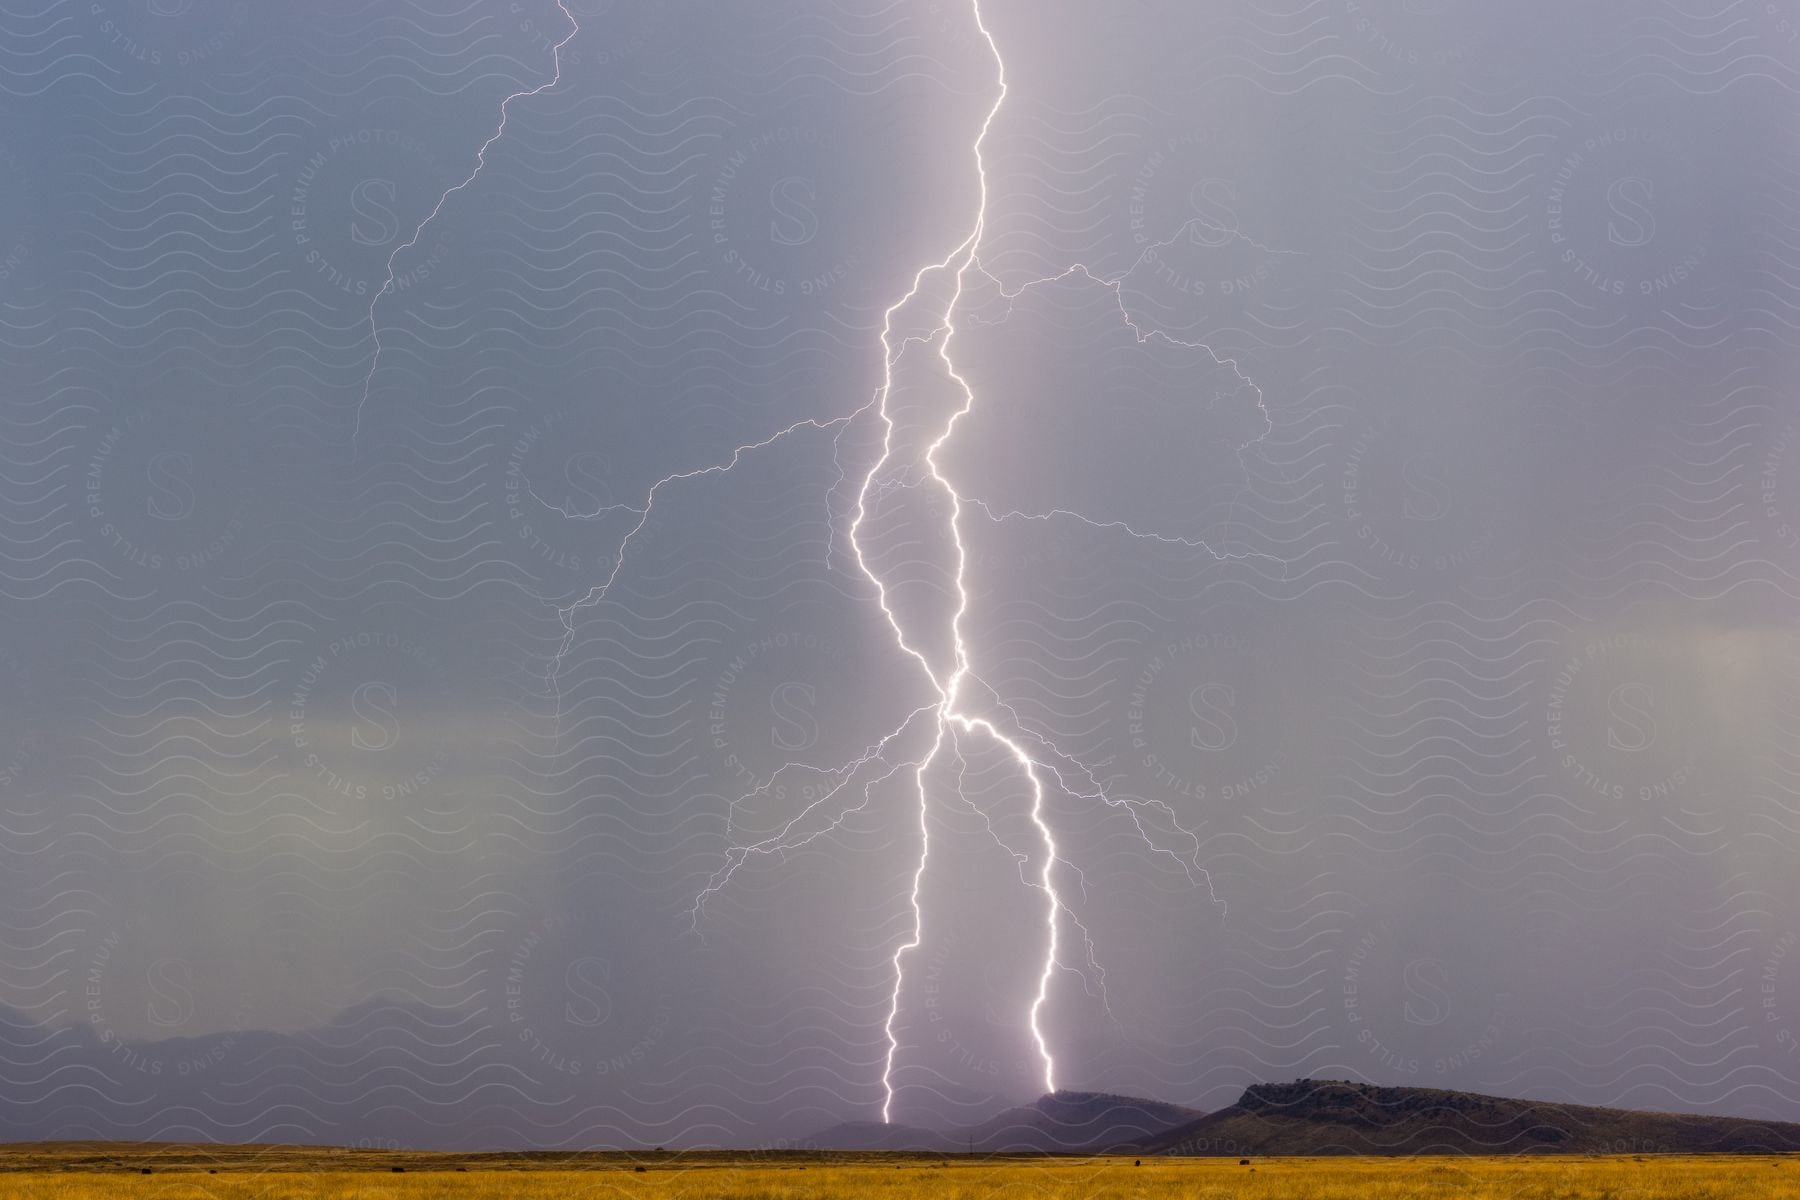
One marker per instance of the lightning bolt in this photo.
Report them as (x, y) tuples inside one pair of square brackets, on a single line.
[(953, 715), (387, 284)]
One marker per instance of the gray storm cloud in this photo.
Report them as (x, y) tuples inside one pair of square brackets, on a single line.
[(1379, 480)]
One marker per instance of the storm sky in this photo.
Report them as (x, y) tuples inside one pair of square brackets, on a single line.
[(1378, 499)]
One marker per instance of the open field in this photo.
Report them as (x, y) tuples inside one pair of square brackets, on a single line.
[(280, 1173)]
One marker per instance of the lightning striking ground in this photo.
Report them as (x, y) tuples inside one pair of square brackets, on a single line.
[(952, 715), (387, 284), (1034, 755)]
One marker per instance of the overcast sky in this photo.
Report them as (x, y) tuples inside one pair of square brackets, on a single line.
[(1379, 498)]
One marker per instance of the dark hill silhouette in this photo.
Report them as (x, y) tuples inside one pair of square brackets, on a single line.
[(1075, 1123), (1318, 1117)]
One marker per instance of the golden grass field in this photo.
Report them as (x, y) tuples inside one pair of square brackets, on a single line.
[(273, 1173)]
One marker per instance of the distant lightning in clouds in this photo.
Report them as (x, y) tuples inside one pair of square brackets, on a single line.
[(954, 715), (387, 284), (598, 592)]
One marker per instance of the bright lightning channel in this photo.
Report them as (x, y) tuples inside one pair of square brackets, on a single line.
[(950, 717), (387, 284), (951, 712)]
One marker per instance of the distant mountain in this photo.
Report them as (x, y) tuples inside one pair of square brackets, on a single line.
[(1075, 1123), (1060, 1123), (336, 1084), (1317, 1117)]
